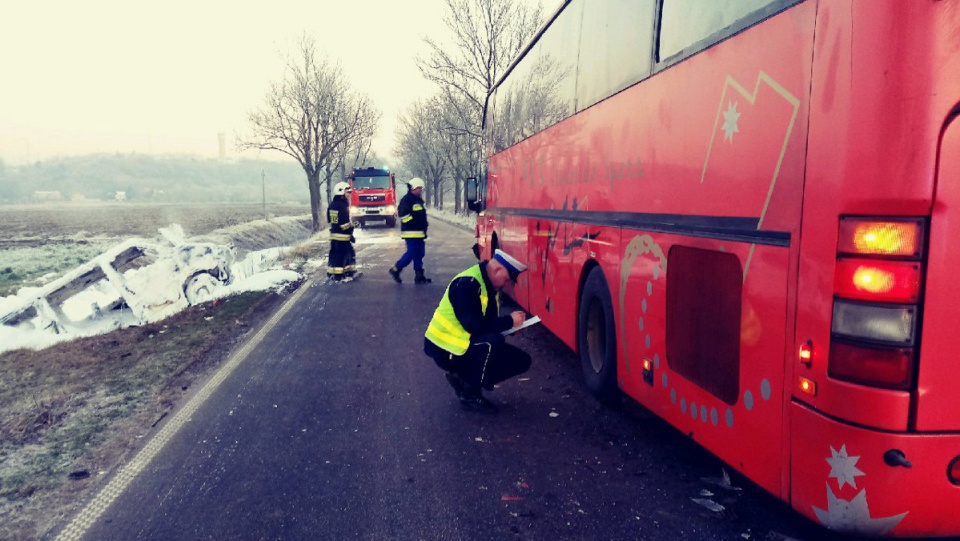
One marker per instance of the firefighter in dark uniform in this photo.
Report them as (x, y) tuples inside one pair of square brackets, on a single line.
[(464, 337), (342, 262), (413, 231)]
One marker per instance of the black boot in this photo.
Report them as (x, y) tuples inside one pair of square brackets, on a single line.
[(395, 273), (421, 279), (473, 400)]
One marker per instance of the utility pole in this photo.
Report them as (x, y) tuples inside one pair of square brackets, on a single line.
[(263, 183)]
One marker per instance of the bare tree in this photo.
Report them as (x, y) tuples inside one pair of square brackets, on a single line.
[(421, 145), (310, 115), (462, 150), (487, 37)]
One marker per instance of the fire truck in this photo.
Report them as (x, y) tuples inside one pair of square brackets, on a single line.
[(374, 195)]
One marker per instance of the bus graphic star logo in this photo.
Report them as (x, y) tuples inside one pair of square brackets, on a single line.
[(730, 117), (751, 132), (851, 516)]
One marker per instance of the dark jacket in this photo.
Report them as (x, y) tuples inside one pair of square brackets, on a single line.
[(338, 214), (413, 217)]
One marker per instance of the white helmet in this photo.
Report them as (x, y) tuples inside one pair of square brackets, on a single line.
[(415, 182), (340, 188)]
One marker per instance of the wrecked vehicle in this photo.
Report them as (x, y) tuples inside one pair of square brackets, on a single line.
[(133, 283)]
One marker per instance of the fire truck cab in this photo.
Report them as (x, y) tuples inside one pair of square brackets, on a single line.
[(374, 195)]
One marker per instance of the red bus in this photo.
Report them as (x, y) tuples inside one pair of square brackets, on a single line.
[(740, 215)]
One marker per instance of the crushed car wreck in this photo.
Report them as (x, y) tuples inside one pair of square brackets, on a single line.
[(135, 282)]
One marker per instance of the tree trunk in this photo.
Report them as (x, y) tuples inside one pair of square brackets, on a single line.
[(316, 207), (457, 194)]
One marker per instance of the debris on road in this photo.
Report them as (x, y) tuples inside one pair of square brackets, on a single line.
[(709, 504), (723, 482)]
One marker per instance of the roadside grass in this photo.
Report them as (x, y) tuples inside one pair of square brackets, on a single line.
[(306, 256)]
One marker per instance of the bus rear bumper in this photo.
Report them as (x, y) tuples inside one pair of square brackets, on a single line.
[(841, 479)]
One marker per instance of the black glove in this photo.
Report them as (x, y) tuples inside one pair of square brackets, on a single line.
[(353, 240)]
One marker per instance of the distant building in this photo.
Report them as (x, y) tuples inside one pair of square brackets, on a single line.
[(120, 196), (47, 195)]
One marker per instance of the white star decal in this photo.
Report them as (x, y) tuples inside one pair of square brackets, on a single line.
[(844, 467), (730, 118), (854, 516)]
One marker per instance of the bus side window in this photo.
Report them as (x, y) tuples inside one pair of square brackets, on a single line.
[(688, 26), (615, 47)]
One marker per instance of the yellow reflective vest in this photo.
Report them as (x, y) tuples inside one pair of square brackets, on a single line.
[(445, 329)]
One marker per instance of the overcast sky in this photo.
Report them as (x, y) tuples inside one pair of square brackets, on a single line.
[(78, 77)]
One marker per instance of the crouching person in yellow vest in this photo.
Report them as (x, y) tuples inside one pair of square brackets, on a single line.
[(464, 338)]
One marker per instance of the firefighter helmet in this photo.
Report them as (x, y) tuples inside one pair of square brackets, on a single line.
[(415, 182), (340, 188)]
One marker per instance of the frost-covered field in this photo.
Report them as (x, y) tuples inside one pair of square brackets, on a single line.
[(33, 223)]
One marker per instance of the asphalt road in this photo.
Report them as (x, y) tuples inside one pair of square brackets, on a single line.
[(333, 424)]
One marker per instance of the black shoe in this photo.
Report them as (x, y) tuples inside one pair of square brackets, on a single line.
[(395, 272), (421, 279), (478, 403)]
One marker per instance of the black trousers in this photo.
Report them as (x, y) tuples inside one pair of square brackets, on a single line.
[(342, 260), (488, 361)]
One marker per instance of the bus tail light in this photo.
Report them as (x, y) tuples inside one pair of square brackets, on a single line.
[(884, 281), (877, 284), (883, 237), (878, 366), (889, 323)]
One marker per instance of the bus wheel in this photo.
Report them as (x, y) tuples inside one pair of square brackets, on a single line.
[(597, 339)]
